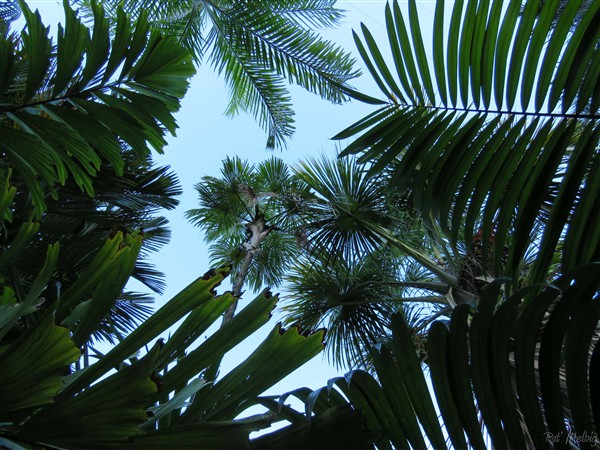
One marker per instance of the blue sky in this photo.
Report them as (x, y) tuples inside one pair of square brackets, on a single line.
[(205, 137)]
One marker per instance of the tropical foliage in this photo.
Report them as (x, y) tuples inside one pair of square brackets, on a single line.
[(249, 215), (258, 47), (76, 138), (497, 133), (78, 120), (512, 367), (495, 138), (514, 372), (150, 401), (74, 100)]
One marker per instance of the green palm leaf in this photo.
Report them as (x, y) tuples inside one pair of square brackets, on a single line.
[(525, 151), (532, 391), (258, 46), (61, 117)]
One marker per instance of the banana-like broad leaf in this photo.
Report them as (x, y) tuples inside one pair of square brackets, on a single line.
[(105, 414), (496, 131), (68, 107), (517, 371)]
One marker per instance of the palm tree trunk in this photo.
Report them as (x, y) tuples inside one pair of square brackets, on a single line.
[(259, 230), (238, 284)]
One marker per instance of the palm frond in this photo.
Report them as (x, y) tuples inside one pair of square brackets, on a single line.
[(9, 11), (480, 144), (254, 90), (258, 46), (84, 98), (537, 383), (311, 14), (130, 310)]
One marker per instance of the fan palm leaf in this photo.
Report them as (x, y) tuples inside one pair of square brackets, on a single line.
[(498, 130), (355, 299), (348, 209)]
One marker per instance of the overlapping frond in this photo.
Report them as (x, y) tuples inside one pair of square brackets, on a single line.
[(517, 371), (496, 130), (66, 109), (258, 46), (136, 397)]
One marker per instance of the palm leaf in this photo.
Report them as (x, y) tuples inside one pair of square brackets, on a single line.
[(523, 131), (62, 117), (9, 11), (532, 390)]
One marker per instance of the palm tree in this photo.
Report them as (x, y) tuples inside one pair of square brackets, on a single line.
[(82, 224), (250, 215), (332, 238), (69, 108), (257, 46)]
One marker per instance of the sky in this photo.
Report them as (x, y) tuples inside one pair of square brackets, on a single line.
[(205, 137)]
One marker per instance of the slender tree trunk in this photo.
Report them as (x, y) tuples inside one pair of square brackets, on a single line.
[(259, 230), (238, 285)]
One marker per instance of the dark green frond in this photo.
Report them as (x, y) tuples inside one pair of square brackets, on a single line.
[(348, 212), (543, 339), (69, 101), (516, 151), (295, 54), (258, 46)]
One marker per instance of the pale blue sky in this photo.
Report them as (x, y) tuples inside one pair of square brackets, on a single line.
[(206, 136)]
